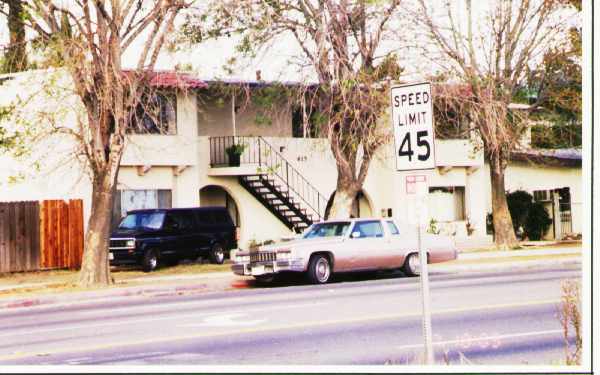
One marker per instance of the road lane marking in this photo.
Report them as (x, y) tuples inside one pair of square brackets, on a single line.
[(470, 340), (67, 327), (226, 321), (280, 327)]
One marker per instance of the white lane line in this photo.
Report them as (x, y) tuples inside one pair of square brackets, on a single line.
[(493, 340), (77, 361), (227, 321), (145, 320)]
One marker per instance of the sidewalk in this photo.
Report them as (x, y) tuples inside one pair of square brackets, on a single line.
[(166, 285)]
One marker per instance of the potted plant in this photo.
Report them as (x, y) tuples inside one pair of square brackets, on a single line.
[(233, 152)]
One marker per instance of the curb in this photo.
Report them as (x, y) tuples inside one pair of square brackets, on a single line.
[(114, 295), (126, 293), (518, 265)]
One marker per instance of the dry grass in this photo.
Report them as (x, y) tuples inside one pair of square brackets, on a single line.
[(570, 320), (59, 281), (558, 245)]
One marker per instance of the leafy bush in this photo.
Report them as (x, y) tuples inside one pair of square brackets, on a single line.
[(538, 221), (519, 202), (529, 215)]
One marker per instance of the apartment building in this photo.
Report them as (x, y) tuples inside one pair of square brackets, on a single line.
[(286, 175)]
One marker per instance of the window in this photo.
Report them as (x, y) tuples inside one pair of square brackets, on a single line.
[(447, 203), (300, 129), (156, 115), (153, 220), (185, 220), (221, 217), (127, 200), (392, 228), (327, 230), (368, 229)]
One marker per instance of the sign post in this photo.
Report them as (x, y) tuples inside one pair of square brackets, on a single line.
[(412, 120)]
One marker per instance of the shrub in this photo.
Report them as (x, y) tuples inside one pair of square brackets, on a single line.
[(538, 221), (519, 202), (529, 215)]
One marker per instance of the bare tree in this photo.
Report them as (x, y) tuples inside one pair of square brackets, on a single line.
[(492, 62), (91, 37), (341, 42)]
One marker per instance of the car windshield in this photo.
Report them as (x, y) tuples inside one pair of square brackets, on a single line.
[(327, 230), (146, 220)]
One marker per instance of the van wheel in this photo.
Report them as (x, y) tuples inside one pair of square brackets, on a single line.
[(150, 260), (319, 269), (412, 265), (217, 254)]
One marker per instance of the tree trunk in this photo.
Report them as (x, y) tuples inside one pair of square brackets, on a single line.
[(94, 268), (345, 194), (504, 234), (15, 59)]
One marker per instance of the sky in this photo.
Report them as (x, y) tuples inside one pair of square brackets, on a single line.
[(209, 58)]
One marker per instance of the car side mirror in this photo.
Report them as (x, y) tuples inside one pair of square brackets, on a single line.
[(355, 235)]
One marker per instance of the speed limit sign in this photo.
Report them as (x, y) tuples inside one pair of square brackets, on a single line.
[(412, 119)]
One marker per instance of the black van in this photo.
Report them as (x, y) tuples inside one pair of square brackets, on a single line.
[(150, 237)]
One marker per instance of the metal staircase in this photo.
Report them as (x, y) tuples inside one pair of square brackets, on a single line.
[(276, 184)]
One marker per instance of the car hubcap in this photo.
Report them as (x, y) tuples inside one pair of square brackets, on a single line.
[(414, 264), (153, 262), (219, 255), (322, 270)]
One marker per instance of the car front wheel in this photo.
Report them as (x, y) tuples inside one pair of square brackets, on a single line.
[(319, 269), (150, 261), (412, 265), (217, 254)]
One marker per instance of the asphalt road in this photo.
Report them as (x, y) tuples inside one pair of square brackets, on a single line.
[(486, 318)]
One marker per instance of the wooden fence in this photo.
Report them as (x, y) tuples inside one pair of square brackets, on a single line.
[(19, 236), (41, 235)]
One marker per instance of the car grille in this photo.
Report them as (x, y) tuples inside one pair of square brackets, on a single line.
[(118, 243), (263, 257)]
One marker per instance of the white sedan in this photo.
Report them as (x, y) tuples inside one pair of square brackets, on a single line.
[(344, 246)]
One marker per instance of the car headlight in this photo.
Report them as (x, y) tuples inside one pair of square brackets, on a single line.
[(242, 258), (130, 243)]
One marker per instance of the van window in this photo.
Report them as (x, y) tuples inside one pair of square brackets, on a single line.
[(205, 217), (222, 217), (184, 219)]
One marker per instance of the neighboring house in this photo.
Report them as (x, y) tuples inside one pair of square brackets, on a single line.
[(285, 178)]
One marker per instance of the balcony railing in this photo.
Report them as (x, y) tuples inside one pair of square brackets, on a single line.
[(268, 160)]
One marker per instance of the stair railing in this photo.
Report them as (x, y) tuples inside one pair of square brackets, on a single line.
[(261, 153), (277, 165)]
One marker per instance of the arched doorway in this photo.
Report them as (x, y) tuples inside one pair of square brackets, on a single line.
[(213, 195), (361, 207)]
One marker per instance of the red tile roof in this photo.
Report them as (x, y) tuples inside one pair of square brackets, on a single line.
[(172, 79)]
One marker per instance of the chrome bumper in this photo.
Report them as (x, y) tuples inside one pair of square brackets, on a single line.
[(267, 267)]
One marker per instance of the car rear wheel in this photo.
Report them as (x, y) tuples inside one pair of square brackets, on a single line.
[(217, 254), (319, 269), (412, 265), (150, 261)]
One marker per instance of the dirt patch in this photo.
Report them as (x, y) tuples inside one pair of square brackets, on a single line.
[(62, 281)]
